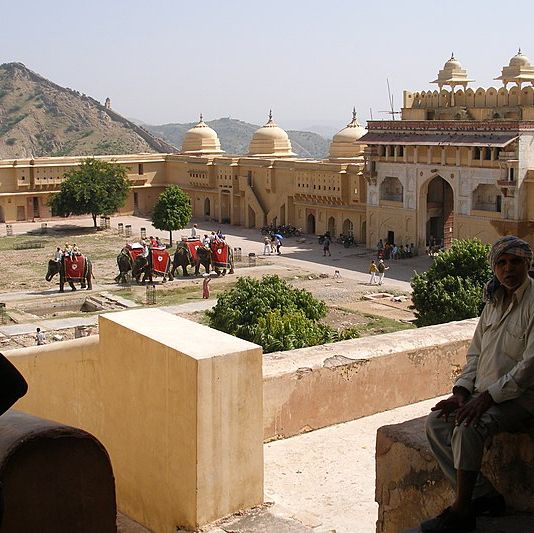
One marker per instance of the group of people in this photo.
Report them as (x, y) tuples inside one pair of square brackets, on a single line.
[(393, 251), (271, 245), (68, 250), (207, 239), (377, 272)]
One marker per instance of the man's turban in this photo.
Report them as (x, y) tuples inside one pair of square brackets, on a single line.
[(509, 245)]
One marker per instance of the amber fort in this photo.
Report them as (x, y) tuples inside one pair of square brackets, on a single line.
[(458, 164)]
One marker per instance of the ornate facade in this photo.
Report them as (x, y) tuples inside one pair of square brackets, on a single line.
[(459, 164), (268, 185)]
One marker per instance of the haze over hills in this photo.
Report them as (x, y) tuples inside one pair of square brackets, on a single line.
[(40, 118), (235, 136)]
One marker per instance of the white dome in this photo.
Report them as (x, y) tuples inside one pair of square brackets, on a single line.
[(201, 139), (519, 60), (343, 143), (270, 141), (452, 64)]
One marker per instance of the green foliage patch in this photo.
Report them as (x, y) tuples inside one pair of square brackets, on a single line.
[(452, 288), (95, 187), (273, 314), (172, 210)]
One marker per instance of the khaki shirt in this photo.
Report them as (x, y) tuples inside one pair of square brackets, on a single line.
[(500, 358)]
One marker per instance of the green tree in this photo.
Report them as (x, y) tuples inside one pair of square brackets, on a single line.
[(172, 210), (95, 187), (452, 288)]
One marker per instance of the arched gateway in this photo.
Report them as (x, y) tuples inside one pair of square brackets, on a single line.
[(439, 212)]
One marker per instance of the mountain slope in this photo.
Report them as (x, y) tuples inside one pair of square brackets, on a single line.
[(235, 136), (40, 118)]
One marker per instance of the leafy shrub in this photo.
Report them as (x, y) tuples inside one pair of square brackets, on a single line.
[(273, 314), (452, 288)]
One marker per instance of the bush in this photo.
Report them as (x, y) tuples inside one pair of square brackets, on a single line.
[(272, 314), (452, 288)]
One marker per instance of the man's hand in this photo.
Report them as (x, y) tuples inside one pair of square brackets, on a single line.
[(452, 403), (473, 410)]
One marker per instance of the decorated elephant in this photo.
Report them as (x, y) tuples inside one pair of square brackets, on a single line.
[(221, 257), (186, 255), (71, 269), (157, 263), (124, 262), (149, 262)]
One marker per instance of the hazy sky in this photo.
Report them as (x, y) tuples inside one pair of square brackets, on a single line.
[(310, 61)]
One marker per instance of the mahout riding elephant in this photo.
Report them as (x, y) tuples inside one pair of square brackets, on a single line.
[(75, 269)]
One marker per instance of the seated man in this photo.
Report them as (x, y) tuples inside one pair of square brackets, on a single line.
[(494, 393)]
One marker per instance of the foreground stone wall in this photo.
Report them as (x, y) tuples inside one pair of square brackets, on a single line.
[(177, 405), (315, 387), (410, 487)]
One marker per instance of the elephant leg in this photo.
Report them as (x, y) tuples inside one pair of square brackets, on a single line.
[(89, 281), (171, 276), (185, 273), (72, 286), (61, 284)]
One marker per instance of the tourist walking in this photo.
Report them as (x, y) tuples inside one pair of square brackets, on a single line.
[(194, 231), (40, 338), (266, 246), (326, 246), (381, 271), (373, 270), (205, 286), (278, 243)]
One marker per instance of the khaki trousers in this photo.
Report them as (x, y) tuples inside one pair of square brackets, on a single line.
[(462, 447)]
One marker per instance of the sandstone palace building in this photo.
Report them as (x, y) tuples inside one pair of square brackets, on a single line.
[(459, 163)]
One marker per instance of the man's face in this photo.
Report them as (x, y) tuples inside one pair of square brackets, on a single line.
[(511, 271)]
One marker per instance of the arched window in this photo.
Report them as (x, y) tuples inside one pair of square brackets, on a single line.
[(391, 189), (487, 197)]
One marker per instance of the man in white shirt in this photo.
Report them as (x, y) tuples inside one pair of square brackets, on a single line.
[(494, 393), (40, 338), (194, 231)]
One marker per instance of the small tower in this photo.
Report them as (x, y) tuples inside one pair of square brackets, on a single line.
[(451, 75), (518, 71), (107, 104)]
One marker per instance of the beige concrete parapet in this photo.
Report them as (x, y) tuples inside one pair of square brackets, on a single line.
[(177, 405), (315, 387)]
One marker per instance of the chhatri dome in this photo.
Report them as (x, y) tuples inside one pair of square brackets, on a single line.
[(270, 141), (518, 71), (452, 74), (343, 144), (200, 140)]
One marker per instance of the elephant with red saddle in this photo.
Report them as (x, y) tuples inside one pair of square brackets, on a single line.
[(191, 252), (71, 269)]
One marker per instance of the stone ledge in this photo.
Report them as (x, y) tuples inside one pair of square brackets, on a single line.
[(410, 487), (320, 386)]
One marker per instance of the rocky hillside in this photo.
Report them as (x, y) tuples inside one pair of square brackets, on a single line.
[(40, 118), (235, 136)]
